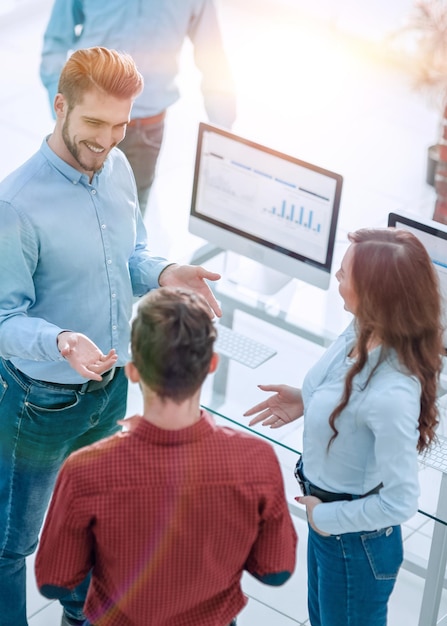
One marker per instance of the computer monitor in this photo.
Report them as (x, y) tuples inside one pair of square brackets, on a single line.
[(434, 237), (267, 206)]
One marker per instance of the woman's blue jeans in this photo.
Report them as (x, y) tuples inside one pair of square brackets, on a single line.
[(351, 576), (40, 425)]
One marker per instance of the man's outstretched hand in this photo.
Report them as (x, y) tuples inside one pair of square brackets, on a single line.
[(84, 356), (192, 277)]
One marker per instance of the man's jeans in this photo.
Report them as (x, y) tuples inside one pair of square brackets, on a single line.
[(40, 425), (141, 145), (351, 576)]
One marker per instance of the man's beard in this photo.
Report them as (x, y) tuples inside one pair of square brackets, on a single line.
[(73, 149)]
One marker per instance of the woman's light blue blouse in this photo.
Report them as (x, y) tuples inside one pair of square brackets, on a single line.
[(378, 434)]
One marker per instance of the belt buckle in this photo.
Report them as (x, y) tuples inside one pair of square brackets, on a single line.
[(299, 479), (305, 485)]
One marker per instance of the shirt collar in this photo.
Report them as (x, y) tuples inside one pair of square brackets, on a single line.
[(144, 429), (70, 172)]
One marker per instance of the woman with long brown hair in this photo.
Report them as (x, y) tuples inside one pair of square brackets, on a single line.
[(370, 407)]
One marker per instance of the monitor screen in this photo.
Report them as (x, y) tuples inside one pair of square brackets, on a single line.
[(270, 207), (434, 237)]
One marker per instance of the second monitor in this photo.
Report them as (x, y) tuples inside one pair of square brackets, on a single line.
[(267, 206)]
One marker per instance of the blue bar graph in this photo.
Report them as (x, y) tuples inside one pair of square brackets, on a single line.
[(301, 216), (309, 222)]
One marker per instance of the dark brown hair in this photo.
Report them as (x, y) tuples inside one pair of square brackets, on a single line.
[(110, 71), (399, 304), (172, 342)]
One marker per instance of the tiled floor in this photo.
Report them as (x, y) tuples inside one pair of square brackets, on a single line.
[(303, 89)]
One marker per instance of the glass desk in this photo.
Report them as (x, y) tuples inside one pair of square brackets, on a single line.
[(233, 388)]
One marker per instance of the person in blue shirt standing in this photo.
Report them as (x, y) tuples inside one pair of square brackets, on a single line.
[(369, 407), (153, 33), (73, 254)]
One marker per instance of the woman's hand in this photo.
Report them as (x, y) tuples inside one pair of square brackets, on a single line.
[(310, 502), (285, 406)]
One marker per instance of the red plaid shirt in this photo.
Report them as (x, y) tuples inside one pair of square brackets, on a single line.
[(167, 521)]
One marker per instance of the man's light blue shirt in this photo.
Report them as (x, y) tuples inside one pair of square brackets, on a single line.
[(72, 256), (153, 33)]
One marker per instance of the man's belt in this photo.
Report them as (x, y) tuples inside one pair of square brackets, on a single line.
[(147, 121), (90, 385)]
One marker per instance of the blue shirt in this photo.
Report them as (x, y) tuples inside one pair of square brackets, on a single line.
[(378, 435), (153, 33), (72, 256)]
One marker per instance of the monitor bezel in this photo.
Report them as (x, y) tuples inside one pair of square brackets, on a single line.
[(424, 225), (419, 223), (287, 253)]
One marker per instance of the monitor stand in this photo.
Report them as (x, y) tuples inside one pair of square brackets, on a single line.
[(248, 274)]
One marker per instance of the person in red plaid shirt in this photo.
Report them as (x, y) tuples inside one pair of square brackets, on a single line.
[(167, 514)]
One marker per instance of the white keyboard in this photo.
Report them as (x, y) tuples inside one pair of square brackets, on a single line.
[(240, 348), (436, 457)]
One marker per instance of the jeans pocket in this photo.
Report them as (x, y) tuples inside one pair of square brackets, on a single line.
[(384, 550), (44, 401)]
